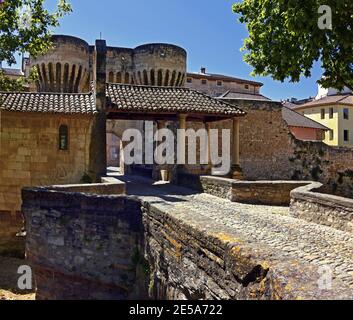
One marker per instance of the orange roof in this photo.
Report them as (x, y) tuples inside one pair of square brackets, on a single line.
[(328, 100)]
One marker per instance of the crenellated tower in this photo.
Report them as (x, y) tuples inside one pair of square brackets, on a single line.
[(68, 67)]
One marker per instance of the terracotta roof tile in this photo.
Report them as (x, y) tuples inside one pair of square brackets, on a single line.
[(336, 99), (232, 95), (133, 98), (295, 119), (48, 102), (216, 76)]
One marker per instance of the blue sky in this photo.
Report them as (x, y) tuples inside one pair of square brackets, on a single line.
[(208, 30)]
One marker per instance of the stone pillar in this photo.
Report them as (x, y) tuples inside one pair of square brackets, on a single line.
[(157, 169), (236, 172), (180, 147), (181, 151), (98, 155), (208, 129)]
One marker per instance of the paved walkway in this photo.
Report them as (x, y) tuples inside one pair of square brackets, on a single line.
[(267, 225)]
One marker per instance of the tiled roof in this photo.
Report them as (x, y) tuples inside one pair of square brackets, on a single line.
[(295, 119), (336, 99), (12, 72), (232, 95), (289, 105), (133, 98), (67, 103)]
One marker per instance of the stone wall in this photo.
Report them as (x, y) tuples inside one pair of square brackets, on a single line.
[(29, 156), (265, 141), (191, 258), (217, 186), (268, 151), (65, 68), (83, 246), (332, 166), (107, 186), (68, 66), (329, 210), (275, 193)]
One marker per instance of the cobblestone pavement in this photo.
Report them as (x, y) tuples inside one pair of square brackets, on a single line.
[(267, 225)]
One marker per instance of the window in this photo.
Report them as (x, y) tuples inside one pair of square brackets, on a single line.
[(346, 135), (204, 81), (322, 113), (331, 135), (331, 113), (189, 80), (63, 137), (111, 76), (346, 113), (247, 86), (219, 83)]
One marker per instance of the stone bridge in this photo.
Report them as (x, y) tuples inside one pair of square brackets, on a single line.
[(162, 241)]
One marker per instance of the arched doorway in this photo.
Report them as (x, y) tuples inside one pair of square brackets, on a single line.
[(113, 150)]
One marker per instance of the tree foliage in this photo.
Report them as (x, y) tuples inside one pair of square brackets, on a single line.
[(285, 39), (25, 27)]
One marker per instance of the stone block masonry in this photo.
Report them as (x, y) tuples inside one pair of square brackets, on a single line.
[(29, 155), (275, 193), (269, 151), (85, 246), (329, 210), (198, 246)]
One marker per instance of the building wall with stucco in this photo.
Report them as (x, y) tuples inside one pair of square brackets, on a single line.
[(332, 116), (217, 85)]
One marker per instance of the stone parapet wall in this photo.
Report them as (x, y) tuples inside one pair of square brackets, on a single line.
[(275, 193), (109, 185), (325, 209), (84, 246), (217, 186), (254, 192), (307, 199), (191, 258)]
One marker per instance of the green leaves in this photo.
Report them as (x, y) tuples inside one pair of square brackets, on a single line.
[(30, 33), (7, 84), (285, 39), (25, 26), (17, 85)]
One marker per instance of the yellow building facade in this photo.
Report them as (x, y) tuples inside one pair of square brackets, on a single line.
[(336, 113)]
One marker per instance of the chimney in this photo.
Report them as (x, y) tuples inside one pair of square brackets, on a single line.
[(97, 155), (203, 70), (100, 77)]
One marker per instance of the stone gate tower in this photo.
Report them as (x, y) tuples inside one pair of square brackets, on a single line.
[(68, 67)]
